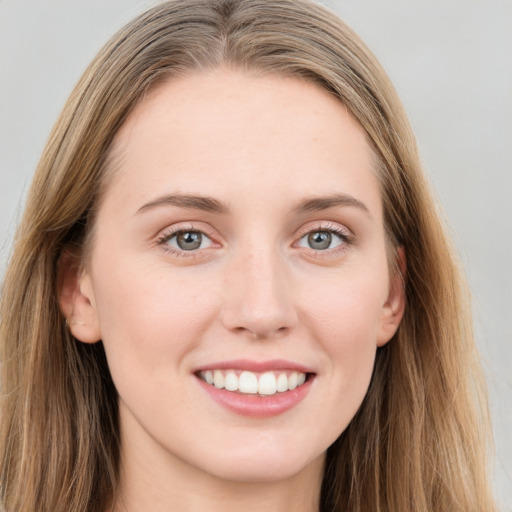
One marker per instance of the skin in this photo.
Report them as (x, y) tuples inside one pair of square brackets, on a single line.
[(256, 289)]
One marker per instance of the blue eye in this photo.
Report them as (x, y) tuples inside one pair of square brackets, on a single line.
[(322, 240), (188, 240)]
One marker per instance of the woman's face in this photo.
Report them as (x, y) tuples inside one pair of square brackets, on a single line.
[(240, 241)]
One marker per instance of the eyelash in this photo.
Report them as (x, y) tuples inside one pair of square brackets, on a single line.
[(344, 235)]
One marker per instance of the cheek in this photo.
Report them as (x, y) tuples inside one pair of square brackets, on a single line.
[(344, 318), (150, 316), (346, 309)]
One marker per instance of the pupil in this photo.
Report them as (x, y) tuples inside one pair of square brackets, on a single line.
[(319, 240), (189, 241)]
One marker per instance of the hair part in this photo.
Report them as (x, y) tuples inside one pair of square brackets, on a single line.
[(418, 440)]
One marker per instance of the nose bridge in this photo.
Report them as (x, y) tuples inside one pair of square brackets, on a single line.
[(258, 298)]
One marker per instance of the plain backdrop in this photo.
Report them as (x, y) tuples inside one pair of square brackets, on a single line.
[(451, 61)]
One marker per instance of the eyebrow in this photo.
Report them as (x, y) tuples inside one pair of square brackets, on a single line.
[(207, 204), (212, 205), (326, 202)]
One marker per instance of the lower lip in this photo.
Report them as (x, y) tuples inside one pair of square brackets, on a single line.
[(257, 406)]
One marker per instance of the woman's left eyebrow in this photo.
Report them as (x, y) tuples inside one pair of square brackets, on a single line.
[(326, 202), (204, 203)]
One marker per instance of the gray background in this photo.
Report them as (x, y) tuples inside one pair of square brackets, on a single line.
[(451, 61)]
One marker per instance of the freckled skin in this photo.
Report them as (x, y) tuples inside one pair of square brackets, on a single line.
[(255, 291)]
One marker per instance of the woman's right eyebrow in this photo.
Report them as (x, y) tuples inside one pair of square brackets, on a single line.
[(204, 203)]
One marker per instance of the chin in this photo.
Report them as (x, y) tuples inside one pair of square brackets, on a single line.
[(264, 467)]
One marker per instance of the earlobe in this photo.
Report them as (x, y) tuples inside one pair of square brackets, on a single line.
[(76, 299), (394, 307)]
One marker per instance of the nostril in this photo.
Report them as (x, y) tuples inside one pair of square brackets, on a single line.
[(260, 334)]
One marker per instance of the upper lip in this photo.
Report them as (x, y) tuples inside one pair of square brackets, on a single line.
[(256, 366)]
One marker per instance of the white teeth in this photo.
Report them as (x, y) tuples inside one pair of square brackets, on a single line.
[(231, 381), (292, 381), (267, 383), (218, 379), (248, 383), (282, 382)]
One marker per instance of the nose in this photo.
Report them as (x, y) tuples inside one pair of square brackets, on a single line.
[(258, 297)]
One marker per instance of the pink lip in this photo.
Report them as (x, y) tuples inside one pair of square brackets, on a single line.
[(257, 406), (255, 366)]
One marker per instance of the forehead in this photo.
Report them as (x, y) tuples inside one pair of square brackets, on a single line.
[(224, 128)]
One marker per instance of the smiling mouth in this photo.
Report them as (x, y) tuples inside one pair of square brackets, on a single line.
[(253, 383)]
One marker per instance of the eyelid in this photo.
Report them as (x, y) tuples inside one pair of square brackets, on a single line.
[(330, 226)]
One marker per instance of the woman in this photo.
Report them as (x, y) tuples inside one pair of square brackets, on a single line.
[(231, 288)]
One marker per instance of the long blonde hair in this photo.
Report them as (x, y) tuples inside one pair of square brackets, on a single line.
[(419, 441)]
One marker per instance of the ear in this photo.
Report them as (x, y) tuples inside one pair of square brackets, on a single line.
[(394, 307), (76, 298)]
